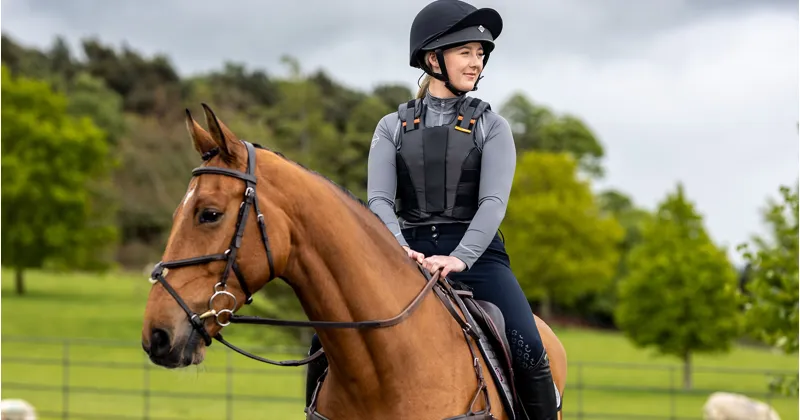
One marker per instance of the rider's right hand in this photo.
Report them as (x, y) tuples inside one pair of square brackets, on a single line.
[(414, 255)]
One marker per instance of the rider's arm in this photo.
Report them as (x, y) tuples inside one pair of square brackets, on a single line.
[(498, 163), (382, 175)]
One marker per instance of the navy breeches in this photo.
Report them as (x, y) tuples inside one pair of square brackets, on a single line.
[(492, 280)]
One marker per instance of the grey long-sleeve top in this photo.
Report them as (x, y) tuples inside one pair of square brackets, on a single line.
[(498, 163)]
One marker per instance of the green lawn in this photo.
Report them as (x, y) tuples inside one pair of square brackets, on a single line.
[(110, 308)]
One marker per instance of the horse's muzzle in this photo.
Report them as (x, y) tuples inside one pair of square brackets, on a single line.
[(163, 352)]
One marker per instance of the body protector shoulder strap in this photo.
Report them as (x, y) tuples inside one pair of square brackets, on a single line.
[(438, 168)]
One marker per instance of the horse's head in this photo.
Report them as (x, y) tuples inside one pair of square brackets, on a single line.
[(217, 253)]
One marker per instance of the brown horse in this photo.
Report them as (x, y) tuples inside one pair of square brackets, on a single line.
[(253, 215)]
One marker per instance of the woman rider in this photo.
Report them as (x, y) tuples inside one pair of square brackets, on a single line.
[(440, 171)]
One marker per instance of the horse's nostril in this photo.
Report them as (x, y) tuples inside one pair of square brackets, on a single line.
[(159, 343)]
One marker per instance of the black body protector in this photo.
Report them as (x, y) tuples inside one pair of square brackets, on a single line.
[(438, 168)]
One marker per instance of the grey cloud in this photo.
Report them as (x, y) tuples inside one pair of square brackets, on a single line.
[(264, 30)]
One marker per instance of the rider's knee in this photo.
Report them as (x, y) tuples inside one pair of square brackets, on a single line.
[(527, 348)]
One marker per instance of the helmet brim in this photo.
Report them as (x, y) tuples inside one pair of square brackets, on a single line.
[(486, 17), (461, 37)]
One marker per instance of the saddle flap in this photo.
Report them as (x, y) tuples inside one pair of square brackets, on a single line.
[(491, 320)]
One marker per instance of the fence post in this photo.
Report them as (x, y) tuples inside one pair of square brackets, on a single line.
[(771, 389), (580, 390), (146, 390), (65, 379), (672, 392), (229, 384)]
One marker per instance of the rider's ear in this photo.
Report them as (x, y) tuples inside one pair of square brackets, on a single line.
[(200, 138), (432, 60), (222, 136)]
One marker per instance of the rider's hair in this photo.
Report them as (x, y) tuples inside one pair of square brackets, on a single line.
[(426, 80), (423, 87)]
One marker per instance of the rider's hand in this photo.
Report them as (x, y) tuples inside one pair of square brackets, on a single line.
[(414, 255), (447, 263)]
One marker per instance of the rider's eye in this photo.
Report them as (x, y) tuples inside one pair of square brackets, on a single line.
[(209, 216)]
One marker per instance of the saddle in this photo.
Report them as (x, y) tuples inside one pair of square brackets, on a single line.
[(484, 323)]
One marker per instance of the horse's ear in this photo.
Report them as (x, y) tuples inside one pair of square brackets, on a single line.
[(200, 138), (222, 136)]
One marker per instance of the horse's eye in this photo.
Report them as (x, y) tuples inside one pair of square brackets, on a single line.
[(209, 216)]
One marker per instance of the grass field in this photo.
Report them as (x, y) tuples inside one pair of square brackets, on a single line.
[(601, 376)]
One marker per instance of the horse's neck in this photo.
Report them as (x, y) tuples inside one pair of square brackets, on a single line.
[(348, 267)]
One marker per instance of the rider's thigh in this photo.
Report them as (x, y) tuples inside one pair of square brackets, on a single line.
[(492, 280)]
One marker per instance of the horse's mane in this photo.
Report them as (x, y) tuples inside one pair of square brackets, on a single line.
[(349, 194)]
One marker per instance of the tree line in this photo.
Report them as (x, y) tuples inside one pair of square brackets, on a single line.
[(95, 159)]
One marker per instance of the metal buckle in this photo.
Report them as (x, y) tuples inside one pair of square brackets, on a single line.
[(215, 313), (159, 270)]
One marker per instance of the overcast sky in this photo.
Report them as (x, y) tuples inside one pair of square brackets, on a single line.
[(703, 92)]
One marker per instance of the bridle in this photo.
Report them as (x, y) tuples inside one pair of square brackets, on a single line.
[(249, 200)]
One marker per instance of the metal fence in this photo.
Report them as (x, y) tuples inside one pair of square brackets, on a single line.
[(69, 379)]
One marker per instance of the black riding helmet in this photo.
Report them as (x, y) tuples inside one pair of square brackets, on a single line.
[(445, 24)]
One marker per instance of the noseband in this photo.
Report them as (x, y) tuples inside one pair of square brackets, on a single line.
[(197, 321)]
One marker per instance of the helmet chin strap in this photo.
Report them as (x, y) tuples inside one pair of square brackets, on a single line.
[(443, 75)]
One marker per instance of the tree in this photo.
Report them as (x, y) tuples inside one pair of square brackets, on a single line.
[(51, 162), (680, 295), (538, 128), (61, 61), (88, 96), (393, 94), (560, 245), (23, 60), (772, 281), (240, 88), (146, 85), (299, 124), (618, 205), (349, 154), (630, 217)]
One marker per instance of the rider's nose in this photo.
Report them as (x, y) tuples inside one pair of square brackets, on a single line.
[(159, 343)]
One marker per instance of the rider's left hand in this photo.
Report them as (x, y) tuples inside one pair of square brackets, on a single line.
[(448, 264)]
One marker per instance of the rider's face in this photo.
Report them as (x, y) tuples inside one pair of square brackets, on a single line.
[(464, 65)]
